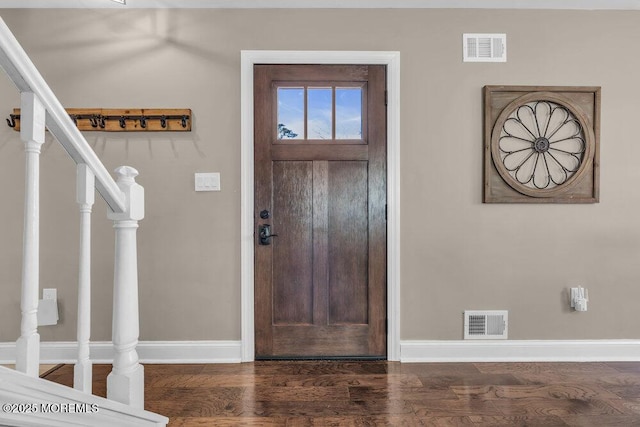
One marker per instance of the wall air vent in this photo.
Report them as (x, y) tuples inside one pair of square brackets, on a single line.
[(484, 47), (486, 325)]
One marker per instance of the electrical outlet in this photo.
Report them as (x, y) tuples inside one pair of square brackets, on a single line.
[(579, 298), (50, 294), (48, 308)]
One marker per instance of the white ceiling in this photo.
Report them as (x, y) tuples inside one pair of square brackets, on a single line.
[(366, 4)]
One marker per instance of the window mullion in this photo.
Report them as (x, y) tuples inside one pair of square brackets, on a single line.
[(306, 109), (333, 113)]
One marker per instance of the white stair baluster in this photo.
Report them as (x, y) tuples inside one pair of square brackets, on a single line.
[(125, 383), (85, 196), (32, 131)]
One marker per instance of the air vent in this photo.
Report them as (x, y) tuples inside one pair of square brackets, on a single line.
[(484, 47), (486, 325)]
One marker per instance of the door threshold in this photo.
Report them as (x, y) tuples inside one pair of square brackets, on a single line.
[(322, 358)]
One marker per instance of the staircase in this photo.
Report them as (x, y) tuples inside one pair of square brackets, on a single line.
[(25, 399), (28, 401)]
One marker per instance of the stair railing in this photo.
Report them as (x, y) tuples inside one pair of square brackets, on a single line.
[(41, 109)]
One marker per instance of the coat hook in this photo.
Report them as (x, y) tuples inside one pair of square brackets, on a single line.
[(93, 120), (11, 121)]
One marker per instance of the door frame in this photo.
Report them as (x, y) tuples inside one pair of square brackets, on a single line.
[(392, 60)]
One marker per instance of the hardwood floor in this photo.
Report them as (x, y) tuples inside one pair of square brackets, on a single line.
[(388, 393)]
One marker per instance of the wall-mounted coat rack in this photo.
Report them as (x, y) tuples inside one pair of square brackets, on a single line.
[(123, 120)]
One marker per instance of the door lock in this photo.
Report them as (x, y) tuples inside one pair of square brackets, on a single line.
[(264, 232)]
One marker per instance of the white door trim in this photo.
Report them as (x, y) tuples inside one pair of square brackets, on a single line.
[(392, 61)]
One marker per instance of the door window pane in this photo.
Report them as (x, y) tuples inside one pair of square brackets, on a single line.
[(319, 113), (290, 113), (349, 113)]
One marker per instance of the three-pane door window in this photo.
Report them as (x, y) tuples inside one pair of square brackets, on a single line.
[(317, 113)]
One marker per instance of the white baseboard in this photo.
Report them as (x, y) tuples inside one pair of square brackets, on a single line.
[(520, 351), (149, 352), (410, 351)]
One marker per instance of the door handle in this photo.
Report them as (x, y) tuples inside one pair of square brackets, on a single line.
[(264, 232)]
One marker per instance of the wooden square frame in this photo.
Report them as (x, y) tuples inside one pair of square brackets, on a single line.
[(582, 100)]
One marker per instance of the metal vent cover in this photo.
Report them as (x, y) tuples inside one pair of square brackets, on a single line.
[(484, 47), (486, 324)]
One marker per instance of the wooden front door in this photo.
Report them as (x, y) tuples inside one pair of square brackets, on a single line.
[(320, 211)]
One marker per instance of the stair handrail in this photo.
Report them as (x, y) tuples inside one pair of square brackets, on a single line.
[(24, 74)]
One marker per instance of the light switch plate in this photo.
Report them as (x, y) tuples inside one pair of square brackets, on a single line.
[(209, 181)]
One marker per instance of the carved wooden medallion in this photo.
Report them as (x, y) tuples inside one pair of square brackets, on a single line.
[(541, 144)]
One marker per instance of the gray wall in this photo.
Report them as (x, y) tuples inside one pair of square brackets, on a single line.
[(457, 253)]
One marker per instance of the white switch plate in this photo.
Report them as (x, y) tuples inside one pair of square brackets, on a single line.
[(209, 181)]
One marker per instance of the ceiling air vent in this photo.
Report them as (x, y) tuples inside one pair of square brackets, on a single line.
[(484, 47), (486, 325)]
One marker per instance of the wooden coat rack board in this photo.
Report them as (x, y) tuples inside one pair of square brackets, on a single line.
[(123, 120)]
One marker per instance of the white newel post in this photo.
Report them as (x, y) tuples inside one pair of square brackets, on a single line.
[(125, 383), (32, 122), (85, 196)]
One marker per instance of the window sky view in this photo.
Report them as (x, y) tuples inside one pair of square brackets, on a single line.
[(348, 108)]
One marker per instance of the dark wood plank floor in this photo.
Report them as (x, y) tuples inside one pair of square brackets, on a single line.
[(388, 393)]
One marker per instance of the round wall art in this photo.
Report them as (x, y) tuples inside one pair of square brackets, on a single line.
[(541, 144)]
